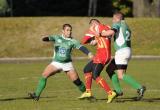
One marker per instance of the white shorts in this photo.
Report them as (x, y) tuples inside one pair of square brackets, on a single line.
[(63, 66), (122, 56)]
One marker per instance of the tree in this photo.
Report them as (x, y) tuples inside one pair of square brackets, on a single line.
[(92, 7), (4, 8), (124, 6), (146, 8)]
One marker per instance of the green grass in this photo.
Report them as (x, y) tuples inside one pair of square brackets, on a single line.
[(60, 94), (21, 37)]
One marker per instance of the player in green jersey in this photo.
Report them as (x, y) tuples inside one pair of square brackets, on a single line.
[(122, 44), (63, 45)]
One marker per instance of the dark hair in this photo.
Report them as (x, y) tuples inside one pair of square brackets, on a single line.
[(66, 25), (119, 14), (94, 20)]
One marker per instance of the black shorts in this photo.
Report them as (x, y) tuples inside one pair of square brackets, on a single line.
[(117, 66), (95, 68), (112, 67)]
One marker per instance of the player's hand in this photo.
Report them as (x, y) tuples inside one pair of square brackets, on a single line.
[(90, 55)]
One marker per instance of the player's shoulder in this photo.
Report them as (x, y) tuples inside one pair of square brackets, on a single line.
[(116, 25), (55, 35)]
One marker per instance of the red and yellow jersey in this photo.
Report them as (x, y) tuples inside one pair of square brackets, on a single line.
[(103, 51)]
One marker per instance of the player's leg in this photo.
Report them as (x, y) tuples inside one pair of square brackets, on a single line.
[(51, 69), (121, 60), (88, 80), (99, 80), (132, 82), (110, 69), (88, 75), (73, 76)]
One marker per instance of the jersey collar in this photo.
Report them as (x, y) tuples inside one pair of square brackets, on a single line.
[(66, 38)]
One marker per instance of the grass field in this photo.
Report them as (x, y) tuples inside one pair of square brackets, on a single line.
[(21, 36), (60, 94)]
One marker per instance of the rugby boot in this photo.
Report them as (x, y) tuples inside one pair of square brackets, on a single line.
[(141, 92), (33, 96), (111, 97), (86, 94)]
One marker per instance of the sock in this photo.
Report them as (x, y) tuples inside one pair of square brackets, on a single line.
[(80, 85), (104, 85), (129, 80), (41, 86), (116, 84), (88, 81)]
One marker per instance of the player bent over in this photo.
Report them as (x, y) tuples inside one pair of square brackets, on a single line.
[(122, 44), (103, 54), (63, 45)]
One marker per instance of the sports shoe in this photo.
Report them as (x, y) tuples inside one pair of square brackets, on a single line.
[(111, 97), (33, 96), (85, 95), (141, 92), (118, 94)]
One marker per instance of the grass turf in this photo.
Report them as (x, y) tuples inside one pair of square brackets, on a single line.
[(60, 94), (21, 36)]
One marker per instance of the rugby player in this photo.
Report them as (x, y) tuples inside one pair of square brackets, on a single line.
[(63, 46), (103, 54), (118, 66)]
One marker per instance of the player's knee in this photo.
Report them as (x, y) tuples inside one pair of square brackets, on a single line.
[(45, 75), (77, 82)]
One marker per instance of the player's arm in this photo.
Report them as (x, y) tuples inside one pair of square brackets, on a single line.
[(111, 32), (48, 38), (87, 39), (108, 32), (86, 51), (82, 48)]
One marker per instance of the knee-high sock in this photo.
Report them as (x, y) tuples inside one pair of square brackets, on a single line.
[(116, 84), (80, 85), (129, 80), (88, 81), (103, 84), (41, 86)]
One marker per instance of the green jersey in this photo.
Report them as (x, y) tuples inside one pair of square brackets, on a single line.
[(122, 37), (63, 47)]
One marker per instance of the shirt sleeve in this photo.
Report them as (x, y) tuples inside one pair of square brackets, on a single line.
[(77, 44), (52, 37)]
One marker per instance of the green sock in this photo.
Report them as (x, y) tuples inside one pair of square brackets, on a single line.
[(82, 87), (41, 86), (116, 84), (129, 80)]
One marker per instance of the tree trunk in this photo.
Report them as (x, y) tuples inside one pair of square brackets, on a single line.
[(146, 8), (92, 8)]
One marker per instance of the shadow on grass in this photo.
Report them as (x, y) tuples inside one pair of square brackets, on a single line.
[(133, 99), (23, 98)]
